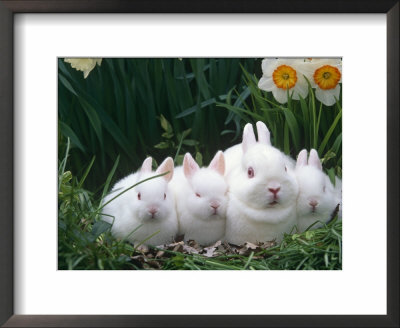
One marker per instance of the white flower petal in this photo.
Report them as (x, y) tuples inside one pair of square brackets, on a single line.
[(266, 83), (268, 65), (327, 61), (327, 97), (301, 88), (280, 95), (83, 64), (306, 71), (292, 62)]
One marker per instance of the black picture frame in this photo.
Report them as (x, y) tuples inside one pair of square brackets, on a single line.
[(7, 10)]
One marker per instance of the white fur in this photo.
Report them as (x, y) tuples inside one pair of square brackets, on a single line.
[(128, 212), (234, 154), (251, 215), (315, 186), (197, 219)]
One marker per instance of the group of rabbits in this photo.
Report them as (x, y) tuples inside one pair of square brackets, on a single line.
[(252, 192)]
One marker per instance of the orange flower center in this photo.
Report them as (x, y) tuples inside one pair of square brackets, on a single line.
[(327, 77), (284, 77)]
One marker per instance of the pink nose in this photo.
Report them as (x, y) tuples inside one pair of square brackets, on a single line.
[(152, 210), (313, 203), (274, 191), (214, 205)]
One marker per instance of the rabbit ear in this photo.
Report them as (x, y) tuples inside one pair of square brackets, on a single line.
[(302, 158), (189, 166), (249, 138), (263, 133), (166, 166), (313, 160), (146, 166), (218, 163)]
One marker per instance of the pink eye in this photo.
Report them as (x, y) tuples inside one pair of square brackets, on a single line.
[(138, 196), (165, 196), (250, 172), (197, 194)]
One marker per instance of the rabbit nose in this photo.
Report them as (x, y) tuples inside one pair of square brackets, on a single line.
[(152, 210), (274, 191), (313, 203), (214, 205)]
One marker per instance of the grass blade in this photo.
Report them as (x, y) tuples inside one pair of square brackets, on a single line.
[(329, 133)]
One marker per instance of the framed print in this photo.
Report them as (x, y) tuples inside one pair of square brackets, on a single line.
[(105, 86)]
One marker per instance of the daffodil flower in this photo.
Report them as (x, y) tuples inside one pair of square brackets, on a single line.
[(283, 75), (83, 64), (327, 74)]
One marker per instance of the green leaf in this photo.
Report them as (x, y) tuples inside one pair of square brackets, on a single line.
[(179, 159), (329, 155), (67, 132), (66, 84), (331, 175), (66, 177), (86, 172), (167, 135), (329, 133), (98, 228), (242, 97), (194, 108), (165, 124), (293, 127), (190, 142), (310, 234), (179, 147), (162, 145), (186, 133), (118, 136), (337, 143), (306, 122), (93, 119), (108, 181), (241, 111), (199, 159), (313, 114), (286, 146)]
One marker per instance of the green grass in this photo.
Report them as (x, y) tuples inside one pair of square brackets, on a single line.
[(313, 250)]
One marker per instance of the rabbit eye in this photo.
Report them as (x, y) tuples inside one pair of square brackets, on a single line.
[(139, 196), (197, 194), (324, 188), (165, 196), (250, 172), (285, 168)]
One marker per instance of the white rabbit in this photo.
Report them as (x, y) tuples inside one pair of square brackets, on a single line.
[(233, 155), (262, 193), (201, 199), (150, 204), (318, 198)]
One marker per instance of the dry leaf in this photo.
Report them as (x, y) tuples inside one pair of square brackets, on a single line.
[(143, 249), (190, 250), (210, 251)]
